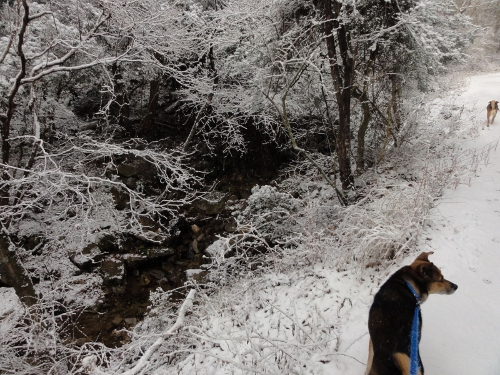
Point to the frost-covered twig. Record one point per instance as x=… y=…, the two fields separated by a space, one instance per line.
x=90 y=362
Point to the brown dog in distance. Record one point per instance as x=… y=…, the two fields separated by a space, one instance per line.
x=491 y=111
x=391 y=315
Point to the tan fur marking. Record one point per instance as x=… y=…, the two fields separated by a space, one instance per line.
x=443 y=287
x=403 y=362
x=425 y=256
x=370 y=358
x=422 y=258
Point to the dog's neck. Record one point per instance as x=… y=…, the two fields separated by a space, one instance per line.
x=422 y=297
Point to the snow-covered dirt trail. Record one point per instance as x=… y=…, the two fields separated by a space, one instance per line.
x=461 y=333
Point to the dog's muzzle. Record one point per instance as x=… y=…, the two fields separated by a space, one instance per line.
x=453 y=288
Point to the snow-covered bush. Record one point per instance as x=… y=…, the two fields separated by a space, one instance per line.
x=272 y=213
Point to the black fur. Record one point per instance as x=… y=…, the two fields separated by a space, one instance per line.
x=391 y=315
x=391 y=318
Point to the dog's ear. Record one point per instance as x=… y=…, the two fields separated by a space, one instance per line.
x=425 y=256
x=425 y=271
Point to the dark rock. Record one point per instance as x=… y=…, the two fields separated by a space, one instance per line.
x=164 y=284
x=230 y=227
x=144 y=279
x=131 y=182
x=113 y=271
x=106 y=242
x=159 y=252
x=88 y=104
x=121 y=198
x=245 y=193
x=190 y=254
x=118 y=289
x=127 y=170
x=212 y=203
x=134 y=260
x=84 y=259
x=157 y=274
x=146 y=170
x=173 y=273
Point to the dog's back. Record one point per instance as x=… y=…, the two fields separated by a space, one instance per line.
x=390 y=324
x=390 y=321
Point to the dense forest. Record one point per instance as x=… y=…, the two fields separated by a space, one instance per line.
x=154 y=148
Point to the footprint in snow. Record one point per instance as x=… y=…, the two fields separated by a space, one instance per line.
x=495 y=239
x=487 y=281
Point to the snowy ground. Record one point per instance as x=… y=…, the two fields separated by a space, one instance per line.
x=311 y=318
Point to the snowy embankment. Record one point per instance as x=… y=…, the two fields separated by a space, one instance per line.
x=307 y=311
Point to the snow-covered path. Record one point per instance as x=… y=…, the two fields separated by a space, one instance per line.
x=461 y=333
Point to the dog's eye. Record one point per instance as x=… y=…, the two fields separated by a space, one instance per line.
x=442 y=279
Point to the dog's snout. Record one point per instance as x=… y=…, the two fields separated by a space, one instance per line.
x=453 y=288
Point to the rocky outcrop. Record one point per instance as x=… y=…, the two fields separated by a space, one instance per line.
x=113 y=271
x=86 y=258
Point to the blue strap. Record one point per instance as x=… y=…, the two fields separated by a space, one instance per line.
x=414 y=366
x=414 y=344
x=415 y=294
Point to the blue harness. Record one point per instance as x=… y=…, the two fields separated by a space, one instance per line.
x=414 y=366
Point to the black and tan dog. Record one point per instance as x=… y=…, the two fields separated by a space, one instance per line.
x=391 y=315
x=491 y=111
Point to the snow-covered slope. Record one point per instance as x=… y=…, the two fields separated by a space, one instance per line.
x=309 y=315
x=314 y=320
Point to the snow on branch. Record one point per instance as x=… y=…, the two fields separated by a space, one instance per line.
x=90 y=362
x=69 y=185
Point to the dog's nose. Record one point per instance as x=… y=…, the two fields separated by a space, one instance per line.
x=454 y=286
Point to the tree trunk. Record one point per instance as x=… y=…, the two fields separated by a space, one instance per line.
x=121 y=110
x=148 y=121
x=342 y=82
x=360 y=157
x=16 y=276
x=5 y=131
x=395 y=101
x=124 y=119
